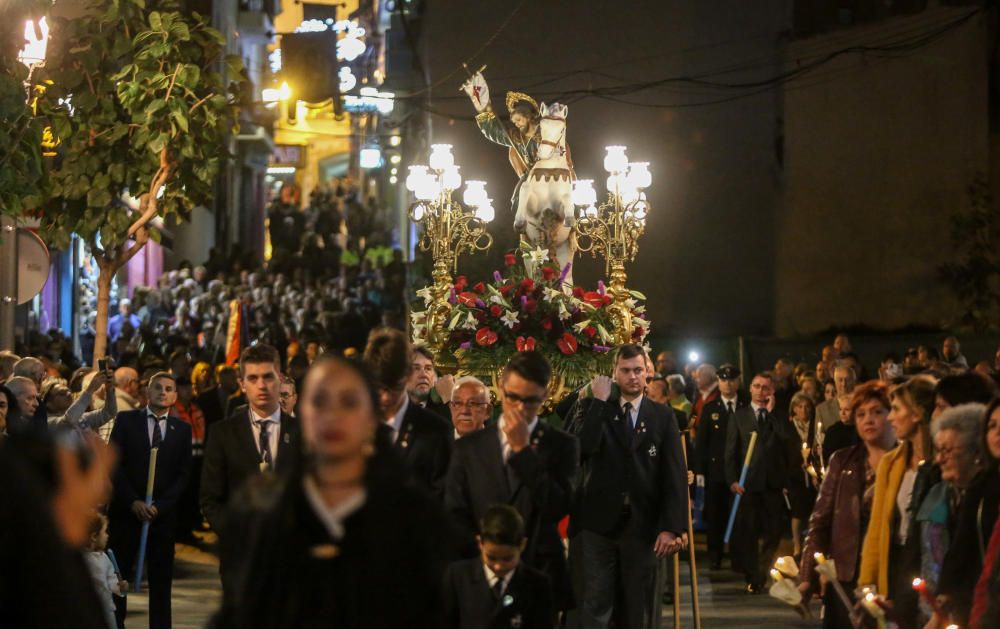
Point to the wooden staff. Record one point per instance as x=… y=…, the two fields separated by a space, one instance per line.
x=743 y=480
x=696 y=605
x=144 y=537
x=677 y=590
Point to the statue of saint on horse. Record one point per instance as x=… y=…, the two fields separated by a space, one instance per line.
x=538 y=153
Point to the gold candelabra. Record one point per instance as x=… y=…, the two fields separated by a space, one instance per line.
x=613 y=228
x=450 y=228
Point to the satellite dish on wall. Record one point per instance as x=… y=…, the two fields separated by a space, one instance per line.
x=32 y=265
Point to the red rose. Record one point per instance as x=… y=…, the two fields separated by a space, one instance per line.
x=590 y=331
x=506 y=288
x=531 y=306
x=461 y=283
x=496 y=310
x=567 y=344
x=547 y=324
x=510 y=259
x=578 y=292
x=595 y=299
x=549 y=273
x=479 y=287
x=485 y=336
x=527 y=285
x=468 y=299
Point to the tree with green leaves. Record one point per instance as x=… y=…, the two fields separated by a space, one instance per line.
x=133 y=95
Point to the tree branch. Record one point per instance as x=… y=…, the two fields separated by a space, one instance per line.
x=199 y=103
x=173 y=78
x=148 y=204
x=141 y=238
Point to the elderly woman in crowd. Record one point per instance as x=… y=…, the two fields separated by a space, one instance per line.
x=316 y=543
x=977 y=516
x=890 y=554
x=840 y=517
x=802 y=486
x=958 y=449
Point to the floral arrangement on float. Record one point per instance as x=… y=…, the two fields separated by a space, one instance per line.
x=520 y=310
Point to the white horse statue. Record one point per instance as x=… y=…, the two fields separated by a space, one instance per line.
x=545 y=213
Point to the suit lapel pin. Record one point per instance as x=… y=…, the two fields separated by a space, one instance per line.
x=508 y=600
x=652 y=450
x=642 y=427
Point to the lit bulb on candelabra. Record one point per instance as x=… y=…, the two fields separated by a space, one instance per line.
x=418 y=212
x=485 y=211
x=450 y=178
x=615 y=161
x=428 y=188
x=584 y=193
x=639 y=176
x=441 y=157
x=414 y=177
x=475 y=193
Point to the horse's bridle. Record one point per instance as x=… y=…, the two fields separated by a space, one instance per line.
x=562 y=134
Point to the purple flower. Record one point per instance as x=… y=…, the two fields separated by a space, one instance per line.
x=600 y=287
x=524 y=301
x=452 y=298
x=480 y=304
x=602 y=348
x=497 y=277
x=465 y=345
x=565 y=272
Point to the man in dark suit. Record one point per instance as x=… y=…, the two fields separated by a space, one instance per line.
x=762 y=509
x=470 y=406
x=632 y=506
x=424 y=383
x=422 y=438
x=135 y=434
x=711 y=457
x=521 y=462
x=497 y=589
x=257 y=439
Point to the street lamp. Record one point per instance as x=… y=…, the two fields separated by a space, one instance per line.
x=450 y=228
x=613 y=228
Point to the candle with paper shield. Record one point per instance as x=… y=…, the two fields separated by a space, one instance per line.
x=786 y=591
x=873 y=604
x=828 y=568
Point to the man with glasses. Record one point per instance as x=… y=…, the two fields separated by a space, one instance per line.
x=422 y=438
x=522 y=462
x=632 y=505
x=288 y=397
x=470 y=406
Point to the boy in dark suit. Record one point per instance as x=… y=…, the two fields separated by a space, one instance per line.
x=495 y=589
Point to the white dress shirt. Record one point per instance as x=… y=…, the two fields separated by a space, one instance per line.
x=503 y=436
x=633 y=416
x=150 y=415
x=492 y=578
x=726 y=401
x=273 y=434
x=332 y=517
x=397 y=420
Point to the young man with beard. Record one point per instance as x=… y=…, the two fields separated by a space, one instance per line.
x=632 y=506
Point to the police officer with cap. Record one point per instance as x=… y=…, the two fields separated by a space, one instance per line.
x=710 y=456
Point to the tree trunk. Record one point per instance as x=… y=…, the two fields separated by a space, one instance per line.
x=108 y=268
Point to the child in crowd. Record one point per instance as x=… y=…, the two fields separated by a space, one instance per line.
x=495 y=589
x=106 y=580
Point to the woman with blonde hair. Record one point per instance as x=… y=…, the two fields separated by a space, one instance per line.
x=890 y=556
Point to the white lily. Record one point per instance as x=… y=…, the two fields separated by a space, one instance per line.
x=538 y=255
x=470 y=323
x=497 y=299
x=642 y=323
x=551 y=293
x=454 y=320
x=563 y=313
x=579 y=327
x=605 y=337
x=630 y=303
x=509 y=318
x=425 y=294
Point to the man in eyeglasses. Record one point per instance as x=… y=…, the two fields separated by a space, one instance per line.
x=470 y=406
x=522 y=462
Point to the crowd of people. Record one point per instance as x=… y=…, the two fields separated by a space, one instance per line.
x=333 y=472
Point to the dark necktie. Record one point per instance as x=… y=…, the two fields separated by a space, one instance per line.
x=627 y=415
x=265 y=443
x=761 y=418
x=157 y=434
x=498 y=588
x=729 y=407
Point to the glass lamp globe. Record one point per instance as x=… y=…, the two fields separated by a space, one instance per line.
x=428 y=189
x=639 y=175
x=591 y=211
x=475 y=193
x=485 y=212
x=615 y=161
x=451 y=179
x=441 y=157
x=584 y=193
x=413 y=177
x=418 y=212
